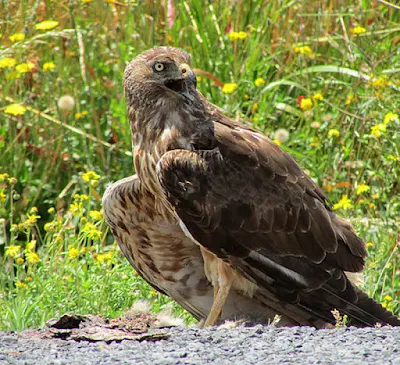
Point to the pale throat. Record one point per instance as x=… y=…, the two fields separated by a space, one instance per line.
x=153 y=135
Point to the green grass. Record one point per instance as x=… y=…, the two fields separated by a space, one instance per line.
x=342 y=140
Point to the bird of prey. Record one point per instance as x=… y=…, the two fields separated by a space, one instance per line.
x=220 y=218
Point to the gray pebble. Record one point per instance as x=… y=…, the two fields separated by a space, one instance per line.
x=259 y=344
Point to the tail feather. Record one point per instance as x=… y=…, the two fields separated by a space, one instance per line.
x=368 y=310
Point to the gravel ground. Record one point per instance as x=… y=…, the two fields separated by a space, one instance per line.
x=248 y=345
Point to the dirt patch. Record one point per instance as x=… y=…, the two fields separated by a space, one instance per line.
x=137 y=327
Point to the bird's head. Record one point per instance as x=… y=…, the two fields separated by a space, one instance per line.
x=160 y=72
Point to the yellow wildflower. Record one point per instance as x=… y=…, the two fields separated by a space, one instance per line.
x=91 y=231
x=259 y=82
x=3 y=197
x=318 y=97
x=388 y=298
x=362 y=188
x=81 y=197
x=378 y=130
x=104 y=257
x=242 y=35
x=344 y=203
x=73 y=252
x=32 y=257
x=25 y=67
x=306 y=104
x=46 y=25
x=17 y=37
x=30 y=246
x=81 y=115
x=7 y=62
x=54 y=225
x=15 y=109
x=95 y=215
x=48 y=66
x=375 y=196
x=32 y=219
x=76 y=208
x=380 y=82
x=229 y=88
x=357 y=30
x=33 y=210
x=349 y=99
x=390 y=117
x=276 y=141
x=19 y=260
x=12 y=250
x=87 y=1
x=110 y=1
x=393 y=158
x=333 y=133
x=234 y=36
x=305 y=50
x=254 y=108
x=369 y=244
x=51 y=210
x=90 y=175
x=371 y=205
x=4 y=177
x=20 y=284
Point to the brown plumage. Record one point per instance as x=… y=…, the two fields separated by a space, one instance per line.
x=217 y=202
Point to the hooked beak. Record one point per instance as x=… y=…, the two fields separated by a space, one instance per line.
x=184 y=84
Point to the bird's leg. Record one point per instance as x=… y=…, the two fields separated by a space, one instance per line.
x=221 y=291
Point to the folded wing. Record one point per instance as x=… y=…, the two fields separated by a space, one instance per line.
x=249 y=203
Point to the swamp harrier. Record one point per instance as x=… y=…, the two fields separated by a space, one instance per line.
x=221 y=219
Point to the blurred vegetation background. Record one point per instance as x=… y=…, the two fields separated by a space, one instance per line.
x=320 y=78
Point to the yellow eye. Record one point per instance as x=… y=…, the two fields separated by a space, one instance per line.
x=159 y=66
